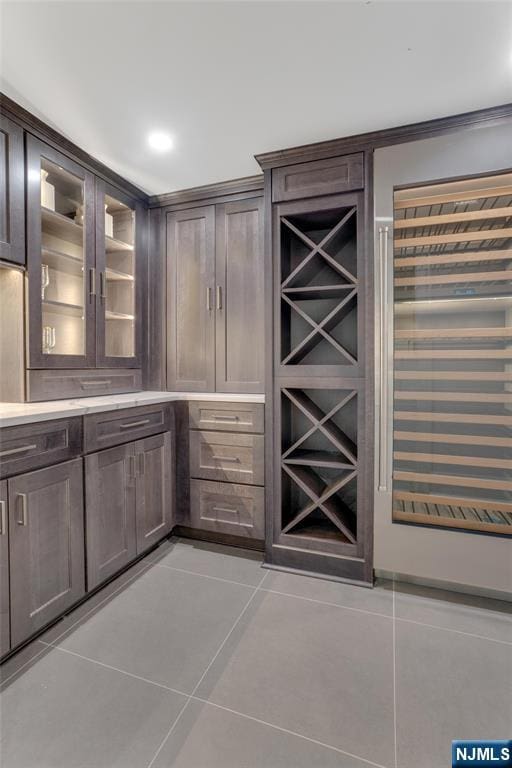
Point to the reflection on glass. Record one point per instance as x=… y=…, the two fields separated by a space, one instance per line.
x=62 y=271
x=119 y=284
x=452 y=456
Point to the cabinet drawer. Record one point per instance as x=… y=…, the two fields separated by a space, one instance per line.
x=103 y=430
x=227 y=457
x=229 y=417
x=320 y=177
x=30 y=446
x=227 y=508
x=56 y=385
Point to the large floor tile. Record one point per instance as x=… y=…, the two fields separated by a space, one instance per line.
x=209 y=737
x=240 y=565
x=451 y=610
x=322 y=672
x=449 y=686
x=377 y=600
x=21 y=660
x=166 y=627
x=69 y=713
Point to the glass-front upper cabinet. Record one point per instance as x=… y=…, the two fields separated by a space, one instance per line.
x=118 y=263
x=60 y=247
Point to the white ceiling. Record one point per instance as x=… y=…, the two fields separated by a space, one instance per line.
x=231 y=79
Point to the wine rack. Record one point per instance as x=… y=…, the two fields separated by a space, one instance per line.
x=452 y=455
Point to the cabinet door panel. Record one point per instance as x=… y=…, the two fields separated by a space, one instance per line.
x=60 y=259
x=5 y=627
x=110 y=512
x=12 y=195
x=155 y=489
x=239 y=296
x=46 y=545
x=191 y=314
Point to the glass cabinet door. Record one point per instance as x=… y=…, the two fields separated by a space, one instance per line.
x=452 y=455
x=117 y=260
x=60 y=238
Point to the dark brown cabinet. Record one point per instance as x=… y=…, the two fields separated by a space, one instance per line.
x=129 y=503
x=5 y=617
x=110 y=512
x=46 y=545
x=12 y=192
x=86 y=274
x=215 y=290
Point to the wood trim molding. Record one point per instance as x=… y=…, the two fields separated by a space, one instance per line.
x=41 y=130
x=373 y=139
x=209 y=192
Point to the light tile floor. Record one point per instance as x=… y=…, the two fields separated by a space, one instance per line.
x=199 y=658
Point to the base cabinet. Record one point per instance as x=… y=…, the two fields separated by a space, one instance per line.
x=46 y=545
x=129 y=503
x=110 y=512
x=5 y=618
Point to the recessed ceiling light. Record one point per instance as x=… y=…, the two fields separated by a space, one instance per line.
x=160 y=141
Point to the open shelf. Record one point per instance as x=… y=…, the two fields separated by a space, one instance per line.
x=61 y=226
x=112 y=245
x=452 y=453
x=109 y=315
x=62 y=308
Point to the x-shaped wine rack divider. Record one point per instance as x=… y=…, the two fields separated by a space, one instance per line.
x=329 y=321
x=320 y=495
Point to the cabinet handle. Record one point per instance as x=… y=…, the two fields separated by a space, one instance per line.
x=134 y=424
x=92 y=281
x=219 y=297
x=383 y=351
x=142 y=463
x=225 y=418
x=21 y=449
x=3 y=518
x=225 y=458
x=131 y=465
x=103 y=294
x=209 y=299
x=96 y=383
x=22 y=520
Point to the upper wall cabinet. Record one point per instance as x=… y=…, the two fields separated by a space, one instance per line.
x=12 y=192
x=83 y=272
x=215 y=298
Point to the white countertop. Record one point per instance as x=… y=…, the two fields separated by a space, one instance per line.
x=12 y=414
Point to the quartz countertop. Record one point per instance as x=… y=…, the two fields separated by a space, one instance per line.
x=12 y=414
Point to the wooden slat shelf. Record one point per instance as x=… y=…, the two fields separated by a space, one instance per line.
x=454 y=305
x=467 y=461
x=453 y=500
x=461 y=277
x=451 y=218
x=447 y=437
x=462 y=397
x=455 y=333
x=463 y=418
x=497 y=233
x=452 y=197
x=455 y=480
x=460 y=257
x=454 y=376
x=460 y=354
x=467 y=518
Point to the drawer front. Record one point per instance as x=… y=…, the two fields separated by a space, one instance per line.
x=229 y=417
x=56 y=385
x=227 y=508
x=320 y=177
x=31 y=446
x=103 y=430
x=227 y=457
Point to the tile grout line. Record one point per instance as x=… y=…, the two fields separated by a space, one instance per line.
x=326 y=602
x=394 y=679
x=455 y=631
x=189 y=699
x=205 y=576
x=286 y=730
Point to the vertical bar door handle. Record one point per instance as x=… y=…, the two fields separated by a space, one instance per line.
x=103 y=294
x=208 y=299
x=21 y=500
x=92 y=281
x=219 y=297
x=383 y=351
x=3 y=518
x=142 y=463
